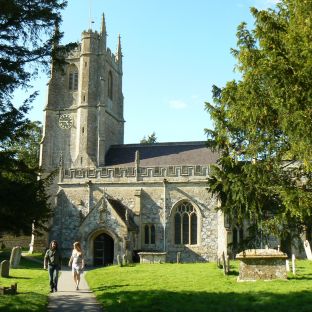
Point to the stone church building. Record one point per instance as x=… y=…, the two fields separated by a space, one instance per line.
x=121 y=199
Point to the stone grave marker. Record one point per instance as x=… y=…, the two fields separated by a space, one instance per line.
x=15 y=257
x=178 y=256
x=124 y=259
x=261 y=264
x=287 y=265
x=227 y=264
x=5 y=268
x=307 y=249
x=119 y=262
x=293 y=264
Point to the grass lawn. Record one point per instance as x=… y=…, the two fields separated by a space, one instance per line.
x=32 y=286
x=197 y=287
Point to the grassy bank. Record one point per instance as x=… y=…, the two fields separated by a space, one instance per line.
x=197 y=287
x=32 y=286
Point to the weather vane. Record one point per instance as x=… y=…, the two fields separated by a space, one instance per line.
x=90 y=15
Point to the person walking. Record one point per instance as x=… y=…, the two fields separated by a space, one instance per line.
x=52 y=262
x=76 y=261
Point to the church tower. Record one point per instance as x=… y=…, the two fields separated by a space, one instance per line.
x=84 y=110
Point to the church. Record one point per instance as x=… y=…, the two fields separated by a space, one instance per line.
x=121 y=200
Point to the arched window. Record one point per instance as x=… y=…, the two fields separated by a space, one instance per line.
x=185 y=224
x=149 y=234
x=110 y=85
x=73 y=78
x=146 y=234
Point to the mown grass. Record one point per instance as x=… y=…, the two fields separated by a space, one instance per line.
x=32 y=286
x=197 y=287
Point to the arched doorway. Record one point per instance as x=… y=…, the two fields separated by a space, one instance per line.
x=103 y=250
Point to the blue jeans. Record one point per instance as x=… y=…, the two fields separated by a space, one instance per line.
x=53 y=275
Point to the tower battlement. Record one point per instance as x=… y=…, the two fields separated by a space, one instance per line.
x=84 y=111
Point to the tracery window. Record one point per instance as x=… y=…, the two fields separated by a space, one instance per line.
x=185 y=224
x=110 y=85
x=73 y=78
x=149 y=234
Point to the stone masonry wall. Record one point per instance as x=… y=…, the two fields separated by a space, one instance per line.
x=81 y=214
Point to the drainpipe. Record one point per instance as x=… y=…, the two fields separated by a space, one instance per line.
x=164 y=217
x=89 y=184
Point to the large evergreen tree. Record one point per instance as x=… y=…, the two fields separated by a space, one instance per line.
x=29 y=39
x=263 y=122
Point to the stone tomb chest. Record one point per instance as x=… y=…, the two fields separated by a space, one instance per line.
x=152 y=257
x=261 y=264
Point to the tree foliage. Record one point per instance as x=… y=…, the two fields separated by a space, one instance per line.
x=263 y=122
x=151 y=139
x=29 y=38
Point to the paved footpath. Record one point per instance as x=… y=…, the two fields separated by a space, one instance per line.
x=68 y=299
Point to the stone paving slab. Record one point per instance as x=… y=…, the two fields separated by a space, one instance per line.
x=68 y=299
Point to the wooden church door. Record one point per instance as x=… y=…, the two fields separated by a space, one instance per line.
x=103 y=250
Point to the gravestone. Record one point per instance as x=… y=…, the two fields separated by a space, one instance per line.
x=124 y=259
x=227 y=264
x=293 y=264
x=119 y=262
x=178 y=256
x=5 y=268
x=307 y=249
x=15 y=258
x=287 y=265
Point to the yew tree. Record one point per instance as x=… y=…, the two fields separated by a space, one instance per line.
x=29 y=37
x=263 y=122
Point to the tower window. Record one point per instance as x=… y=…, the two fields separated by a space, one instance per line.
x=185 y=224
x=110 y=85
x=73 y=78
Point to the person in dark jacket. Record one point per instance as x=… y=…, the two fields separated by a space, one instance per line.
x=52 y=262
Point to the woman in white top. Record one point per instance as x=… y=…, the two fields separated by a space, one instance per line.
x=76 y=261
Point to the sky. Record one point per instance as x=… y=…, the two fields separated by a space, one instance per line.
x=174 y=51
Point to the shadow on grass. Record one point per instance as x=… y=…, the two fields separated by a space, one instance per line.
x=165 y=301
x=24 y=302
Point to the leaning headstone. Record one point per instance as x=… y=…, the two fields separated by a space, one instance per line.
x=178 y=256
x=15 y=258
x=307 y=249
x=293 y=258
x=287 y=265
x=5 y=268
x=119 y=262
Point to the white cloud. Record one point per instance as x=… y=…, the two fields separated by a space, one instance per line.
x=177 y=104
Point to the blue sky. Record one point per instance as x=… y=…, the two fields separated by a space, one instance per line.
x=174 y=51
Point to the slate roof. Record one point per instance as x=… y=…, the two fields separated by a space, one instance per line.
x=161 y=154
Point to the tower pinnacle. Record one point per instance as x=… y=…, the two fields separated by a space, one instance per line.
x=118 y=52
x=103 y=26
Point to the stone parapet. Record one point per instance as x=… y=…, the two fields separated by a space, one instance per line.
x=144 y=173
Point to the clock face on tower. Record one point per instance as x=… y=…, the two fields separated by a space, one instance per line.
x=65 y=121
